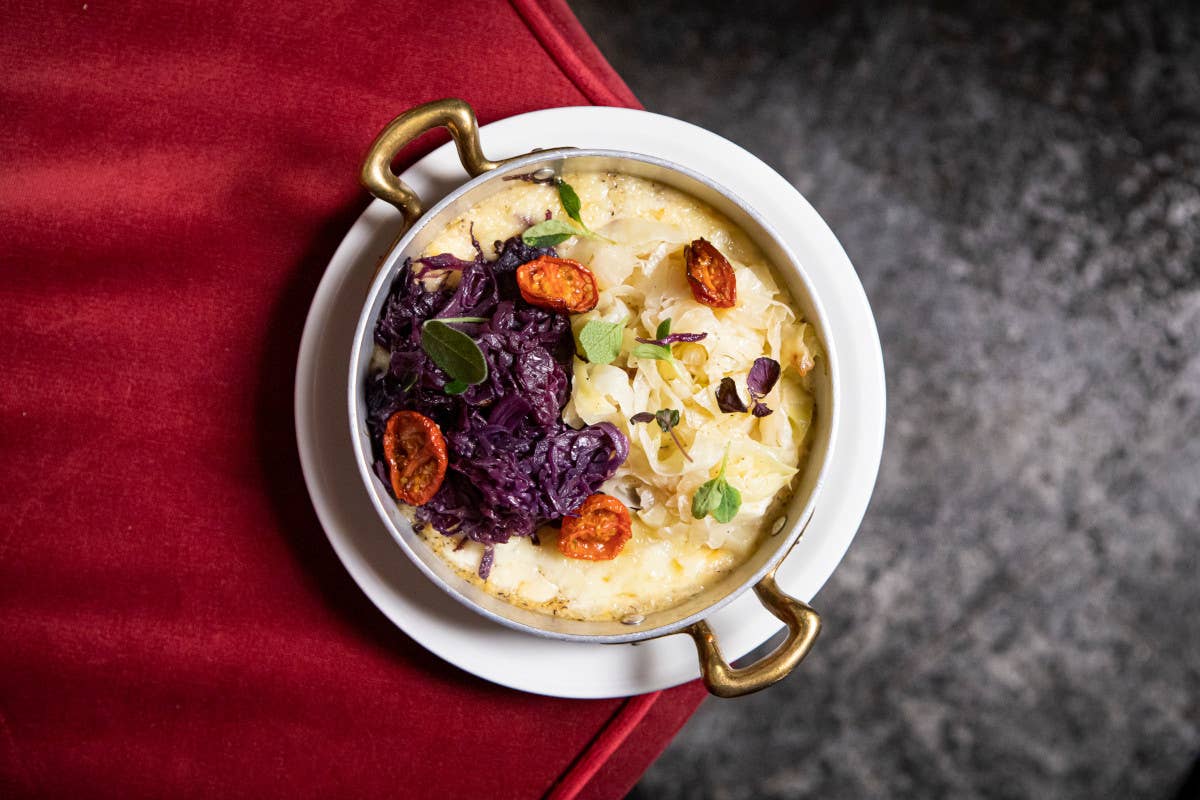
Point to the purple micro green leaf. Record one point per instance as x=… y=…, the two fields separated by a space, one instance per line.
x=727 y=397
x=667 y=419
x=763 y=376
x=673 y=338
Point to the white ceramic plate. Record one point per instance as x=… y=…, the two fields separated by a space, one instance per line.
x=466 y=639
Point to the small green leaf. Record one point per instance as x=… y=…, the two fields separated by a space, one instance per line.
x=456 y=387
x=717 y=497
x=655 y=351
x=549 y=233
x=707 y=498
x=454 y=352
x=731 y=501
x=570 y=202
x=601 y=341
x=661 y=352
x=550 y=240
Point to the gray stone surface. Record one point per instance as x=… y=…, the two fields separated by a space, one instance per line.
x=1019 y=189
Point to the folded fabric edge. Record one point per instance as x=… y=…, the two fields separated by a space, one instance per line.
x=563 y=37
x=606 y=742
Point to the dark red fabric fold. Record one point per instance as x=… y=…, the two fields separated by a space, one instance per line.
x=173 y=622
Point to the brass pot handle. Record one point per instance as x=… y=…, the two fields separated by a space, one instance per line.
x=803 y=626
x=453 y=114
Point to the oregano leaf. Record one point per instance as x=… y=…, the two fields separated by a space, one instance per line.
x=731 y=501
x=601 y=341
x=717 y=497
x=454 y=351
x=706 y=499
x=549 y=233
x=570 y=202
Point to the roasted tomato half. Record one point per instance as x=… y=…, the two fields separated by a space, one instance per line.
x=558 y=284
x=598 y=532
x=415 y=451
x=710 y=275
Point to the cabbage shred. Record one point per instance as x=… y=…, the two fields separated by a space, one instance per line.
x=642 y=278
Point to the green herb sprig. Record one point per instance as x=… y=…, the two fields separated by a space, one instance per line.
x=660 y=352
x=455 y=352
x=549 y=233
x=556 y=231
x=717 y=497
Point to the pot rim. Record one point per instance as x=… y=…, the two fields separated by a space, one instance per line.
x=362 y=336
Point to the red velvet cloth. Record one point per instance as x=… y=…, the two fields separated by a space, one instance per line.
x=173 y=623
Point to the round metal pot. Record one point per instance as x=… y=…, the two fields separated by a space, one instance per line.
x=758 y=571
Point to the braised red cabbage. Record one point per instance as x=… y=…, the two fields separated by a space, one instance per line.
x=514 y=464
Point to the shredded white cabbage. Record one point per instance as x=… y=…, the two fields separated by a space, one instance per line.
x=642 y=280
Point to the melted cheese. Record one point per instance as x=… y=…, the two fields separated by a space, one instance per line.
x=641 y=277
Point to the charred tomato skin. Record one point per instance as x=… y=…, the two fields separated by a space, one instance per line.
x=710 y=275
x=415 y=452
x=598 y=531
x=558 y=284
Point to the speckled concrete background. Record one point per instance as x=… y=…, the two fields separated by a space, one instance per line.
x=1019 y=188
